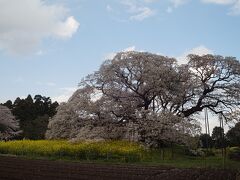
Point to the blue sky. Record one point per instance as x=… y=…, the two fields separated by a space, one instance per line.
x=46 y=47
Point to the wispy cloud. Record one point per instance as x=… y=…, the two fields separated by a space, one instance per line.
x=150 y=1
x=235 y=10
x=175 y=4
x=222 y=2
x=234 y=5
x=138 y=10
x=143 y=13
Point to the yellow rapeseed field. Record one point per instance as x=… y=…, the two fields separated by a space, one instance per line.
x=105 y=150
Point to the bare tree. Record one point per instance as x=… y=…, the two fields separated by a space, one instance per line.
x=215 y=85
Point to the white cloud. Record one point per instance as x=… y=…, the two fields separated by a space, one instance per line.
x=235 y=5
x=200 y=50
x=131 y=48
x=143 y=13
x=177 y=3
x=150 y=1
x=109 y=55
x=24 y=24
x=138 y=10
x=235 y=10
x=141 y=9
x=68 y=28
x=66 y=93
x=223 y=2
x=112 y=54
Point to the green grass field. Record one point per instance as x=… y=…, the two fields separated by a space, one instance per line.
x=181 y=160
x=112 y=152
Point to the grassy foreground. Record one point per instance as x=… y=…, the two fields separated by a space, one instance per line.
x=112 y=152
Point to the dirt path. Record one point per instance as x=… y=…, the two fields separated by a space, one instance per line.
x=12 y=168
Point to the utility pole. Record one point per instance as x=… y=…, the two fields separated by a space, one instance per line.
x=206 y=127
x=222 y=140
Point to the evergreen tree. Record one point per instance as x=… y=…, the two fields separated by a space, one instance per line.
x=233 y=135
x=33 y=115
x=218 y=137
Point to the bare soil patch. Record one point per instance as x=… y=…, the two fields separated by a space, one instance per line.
x=15 y=168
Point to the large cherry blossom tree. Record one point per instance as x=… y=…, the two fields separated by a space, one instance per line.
x=144 y=96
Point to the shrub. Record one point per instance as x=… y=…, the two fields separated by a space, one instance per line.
x=200 y=152
x=197 y=152
x=234 y=153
